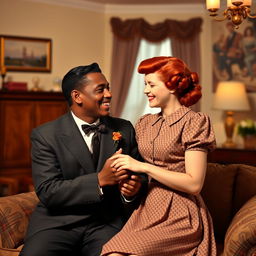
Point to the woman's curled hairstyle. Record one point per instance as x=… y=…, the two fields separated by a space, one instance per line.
x=176 y=76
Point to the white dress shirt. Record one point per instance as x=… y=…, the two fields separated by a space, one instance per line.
x=87 y=137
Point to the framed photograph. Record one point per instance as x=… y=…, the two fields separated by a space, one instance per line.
x=25 y=54
x=234 y=53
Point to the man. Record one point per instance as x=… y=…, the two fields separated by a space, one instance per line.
x=233 y=49
x=83 y=200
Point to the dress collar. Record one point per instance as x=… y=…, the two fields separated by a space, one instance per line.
x=172 y=118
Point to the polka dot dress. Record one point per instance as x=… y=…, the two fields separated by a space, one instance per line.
x=169 y=222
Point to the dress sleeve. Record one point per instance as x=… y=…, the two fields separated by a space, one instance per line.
x=198 y=134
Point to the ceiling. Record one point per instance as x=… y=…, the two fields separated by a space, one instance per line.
x=141 y=2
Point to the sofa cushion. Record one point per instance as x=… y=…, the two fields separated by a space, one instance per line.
x=217 y=193
x=241 y=235
x=14 y=216
x=245 y=186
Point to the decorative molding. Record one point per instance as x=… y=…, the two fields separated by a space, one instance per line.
x=158 y=8
x=126 y=8
x=78 y=4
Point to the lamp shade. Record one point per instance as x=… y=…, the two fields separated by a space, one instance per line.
x=212 y=4
x=248 y=2
x=230 y=96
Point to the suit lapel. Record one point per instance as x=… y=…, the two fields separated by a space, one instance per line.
x=75 y=143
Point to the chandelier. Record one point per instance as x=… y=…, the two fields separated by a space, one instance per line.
x=236 y=11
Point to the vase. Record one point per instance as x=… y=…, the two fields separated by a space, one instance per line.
x=249 y=141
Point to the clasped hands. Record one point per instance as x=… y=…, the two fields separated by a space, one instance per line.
x=112 y=173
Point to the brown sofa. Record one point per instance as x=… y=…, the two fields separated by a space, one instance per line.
x=229 y=192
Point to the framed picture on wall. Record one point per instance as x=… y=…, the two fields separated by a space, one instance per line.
x=25 y=54
x=234 y=53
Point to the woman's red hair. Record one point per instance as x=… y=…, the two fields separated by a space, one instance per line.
x=176 y=76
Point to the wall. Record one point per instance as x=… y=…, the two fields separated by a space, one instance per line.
x=216 y=116
x=82 y=36
x=77 y=35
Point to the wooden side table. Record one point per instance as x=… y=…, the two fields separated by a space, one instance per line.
x=8 y=186
x=233 y=156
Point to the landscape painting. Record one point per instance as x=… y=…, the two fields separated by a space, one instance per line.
x=25 y=54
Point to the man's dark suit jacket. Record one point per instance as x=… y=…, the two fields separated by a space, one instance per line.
x=65 y=178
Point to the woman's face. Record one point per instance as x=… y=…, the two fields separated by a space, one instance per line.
x=156 y=91
x=248 y=32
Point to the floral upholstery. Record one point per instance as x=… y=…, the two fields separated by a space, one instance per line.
x=241 y=235
x=14 y=216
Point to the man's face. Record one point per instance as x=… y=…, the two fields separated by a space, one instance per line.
x=95 y=96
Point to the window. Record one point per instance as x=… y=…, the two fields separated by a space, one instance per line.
x=136 y=103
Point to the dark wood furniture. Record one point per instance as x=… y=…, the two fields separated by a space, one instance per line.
x=233 y=156
x=20 y=112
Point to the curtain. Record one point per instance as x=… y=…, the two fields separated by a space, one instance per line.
x=127 y=36
x=136 y=103
x=123 y=61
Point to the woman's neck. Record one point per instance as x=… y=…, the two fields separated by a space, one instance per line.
x=173 y=106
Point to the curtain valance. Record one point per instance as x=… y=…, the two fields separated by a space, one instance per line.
x=180 y=30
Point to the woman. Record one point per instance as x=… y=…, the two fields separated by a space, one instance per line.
x=249 y=48
x=173 y=219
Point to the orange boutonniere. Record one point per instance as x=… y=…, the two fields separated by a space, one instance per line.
x=117 y=136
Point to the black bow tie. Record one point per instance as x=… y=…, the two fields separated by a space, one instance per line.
x=94 y=128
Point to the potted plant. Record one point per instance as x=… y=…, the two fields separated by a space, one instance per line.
x=247 y=129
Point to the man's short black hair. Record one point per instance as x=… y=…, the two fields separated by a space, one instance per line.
x=72 y=80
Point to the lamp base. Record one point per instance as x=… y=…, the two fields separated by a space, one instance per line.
x=229 y=129
x=229 y=144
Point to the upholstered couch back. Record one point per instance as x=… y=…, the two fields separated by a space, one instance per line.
x=226 y=189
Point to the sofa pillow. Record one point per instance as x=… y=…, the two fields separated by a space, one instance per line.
x=245 y=186
x=217 y=193
x=14 y=216
x=241 y=235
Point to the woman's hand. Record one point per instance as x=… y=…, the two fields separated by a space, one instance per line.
x=122 y=162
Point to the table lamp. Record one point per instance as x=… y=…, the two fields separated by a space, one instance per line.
x=230 y=96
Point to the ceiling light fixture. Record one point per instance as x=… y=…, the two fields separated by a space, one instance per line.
x=236 y=11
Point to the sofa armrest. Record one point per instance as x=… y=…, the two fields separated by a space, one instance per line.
x=240 y=238
x=9 y=252
x=14 y=217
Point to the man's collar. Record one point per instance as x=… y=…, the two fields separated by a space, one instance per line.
x=79 y=121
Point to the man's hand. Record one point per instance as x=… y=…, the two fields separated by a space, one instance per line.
x=109 y=176
x=130 y=187
x=126 y=162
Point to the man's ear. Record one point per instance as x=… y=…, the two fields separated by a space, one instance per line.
x=75 y=94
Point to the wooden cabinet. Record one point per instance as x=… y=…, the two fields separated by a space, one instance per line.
x=233 y=156
x=20 y=112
